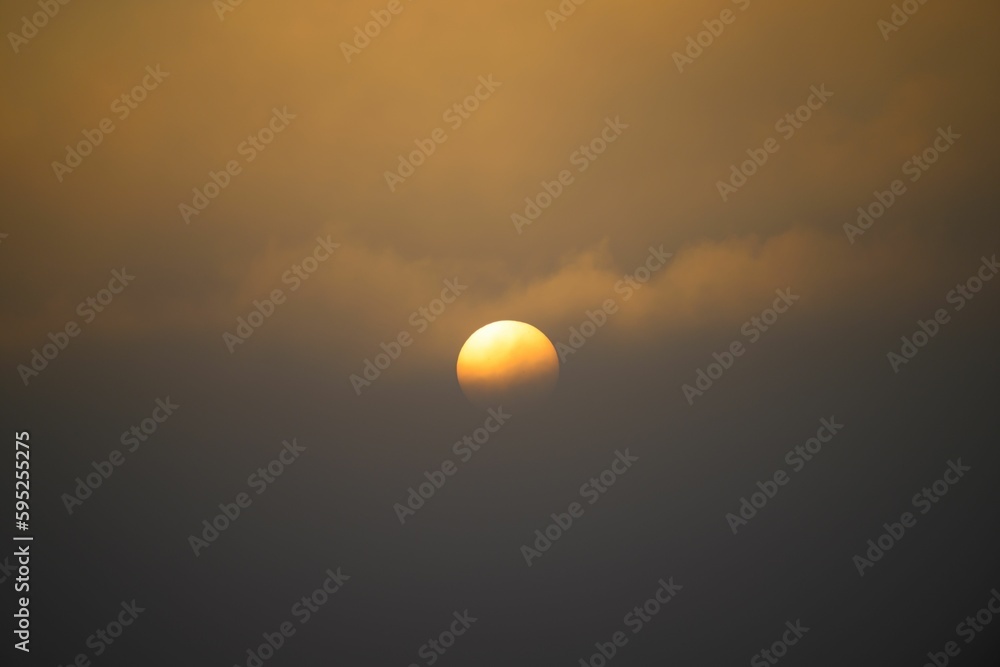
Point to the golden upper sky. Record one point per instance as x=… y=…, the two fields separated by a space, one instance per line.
x=551 y=92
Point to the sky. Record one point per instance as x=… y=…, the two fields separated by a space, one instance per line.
x=733 y=219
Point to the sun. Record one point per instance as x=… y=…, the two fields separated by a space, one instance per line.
x=507 y=363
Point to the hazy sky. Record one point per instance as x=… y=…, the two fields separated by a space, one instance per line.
x=632 y=126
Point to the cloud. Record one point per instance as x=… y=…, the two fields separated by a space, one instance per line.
x=654 y=186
